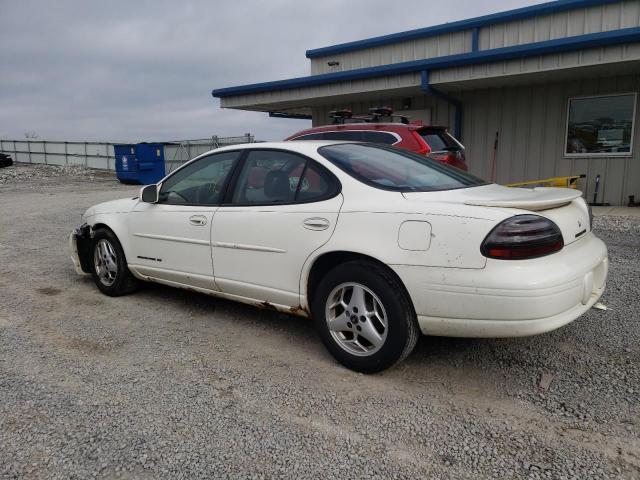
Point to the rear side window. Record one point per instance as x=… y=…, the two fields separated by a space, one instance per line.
x=379 y=137
x=347 y=135
x=315 y=184
x=439 y=140
x=270 y=177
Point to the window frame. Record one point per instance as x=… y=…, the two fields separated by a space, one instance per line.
x=302 y=137
x=602 y=154
x=334 y=191
x=225 y=185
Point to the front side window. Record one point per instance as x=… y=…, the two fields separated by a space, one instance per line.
x=200 y=182
x=389 y=168
x=277 y=177
x=600 y=126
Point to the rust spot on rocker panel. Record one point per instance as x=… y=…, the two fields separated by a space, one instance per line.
x=265 y=306
x=299 y=310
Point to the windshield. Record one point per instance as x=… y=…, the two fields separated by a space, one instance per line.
x=390 y=168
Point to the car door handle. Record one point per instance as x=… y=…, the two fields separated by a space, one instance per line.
x=198 y=220
x=316 y=223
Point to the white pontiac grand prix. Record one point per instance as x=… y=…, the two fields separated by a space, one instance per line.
x=374 y=243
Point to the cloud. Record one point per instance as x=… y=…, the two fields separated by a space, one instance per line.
x=144 y=70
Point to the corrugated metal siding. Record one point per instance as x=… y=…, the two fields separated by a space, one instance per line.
x=531 y=121
x=581 y=21
x=542 y=63
x=428 y=109
x=595 y=19
x=447 y=44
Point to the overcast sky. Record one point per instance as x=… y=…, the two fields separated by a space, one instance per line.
x=123 y=70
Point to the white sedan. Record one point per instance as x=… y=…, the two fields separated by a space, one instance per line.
x=374 y=243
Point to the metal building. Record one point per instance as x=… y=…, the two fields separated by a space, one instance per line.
x=559 y=81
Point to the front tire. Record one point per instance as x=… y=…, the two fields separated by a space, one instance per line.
x=109 y=265
x=364 y=316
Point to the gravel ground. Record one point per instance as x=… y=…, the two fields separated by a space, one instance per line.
x=172 y=384
x=37 y=175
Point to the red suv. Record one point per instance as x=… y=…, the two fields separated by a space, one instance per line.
x=433 y=141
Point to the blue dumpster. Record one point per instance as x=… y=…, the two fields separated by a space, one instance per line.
x=126 y=163
x=142 y=163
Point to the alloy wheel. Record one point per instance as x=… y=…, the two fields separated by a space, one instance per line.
x=356 y=319
x=105 y=262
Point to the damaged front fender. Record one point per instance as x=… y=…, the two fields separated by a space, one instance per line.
x=80 y=245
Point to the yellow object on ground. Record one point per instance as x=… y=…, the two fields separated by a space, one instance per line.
x=567 y=182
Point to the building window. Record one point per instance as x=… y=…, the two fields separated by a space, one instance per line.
x=600 y=126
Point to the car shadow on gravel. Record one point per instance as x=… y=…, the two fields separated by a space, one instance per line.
x=227 y=311
x=495 y=367
x=430 y=352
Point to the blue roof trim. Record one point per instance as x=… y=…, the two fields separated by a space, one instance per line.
x=601 y=39
x=508 y=16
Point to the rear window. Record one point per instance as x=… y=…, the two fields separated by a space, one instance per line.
x=390 y=168
x=439 y=140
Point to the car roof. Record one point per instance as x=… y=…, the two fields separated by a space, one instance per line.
x=305 y=147
x=372 y=126
x=367 y=125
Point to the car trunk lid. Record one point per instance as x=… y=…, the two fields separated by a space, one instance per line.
x=564 y=206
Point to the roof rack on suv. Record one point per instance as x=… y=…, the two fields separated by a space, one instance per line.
x=376 y=114
x=339 y=116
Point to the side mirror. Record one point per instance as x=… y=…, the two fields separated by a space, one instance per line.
x=149 y=193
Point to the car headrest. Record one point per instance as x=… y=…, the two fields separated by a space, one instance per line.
x=276 y=185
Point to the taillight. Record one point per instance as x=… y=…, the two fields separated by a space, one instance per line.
x=424 y=148
x=450 y=157
x=443 y=157
x=521 y=237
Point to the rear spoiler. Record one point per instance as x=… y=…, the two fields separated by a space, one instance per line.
x=540 y=198
x=415 y=126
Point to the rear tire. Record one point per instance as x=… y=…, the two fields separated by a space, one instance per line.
x=109 y=265
x=364 y=316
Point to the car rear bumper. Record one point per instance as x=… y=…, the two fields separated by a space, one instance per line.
x=509 y=298
x=79 y=245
